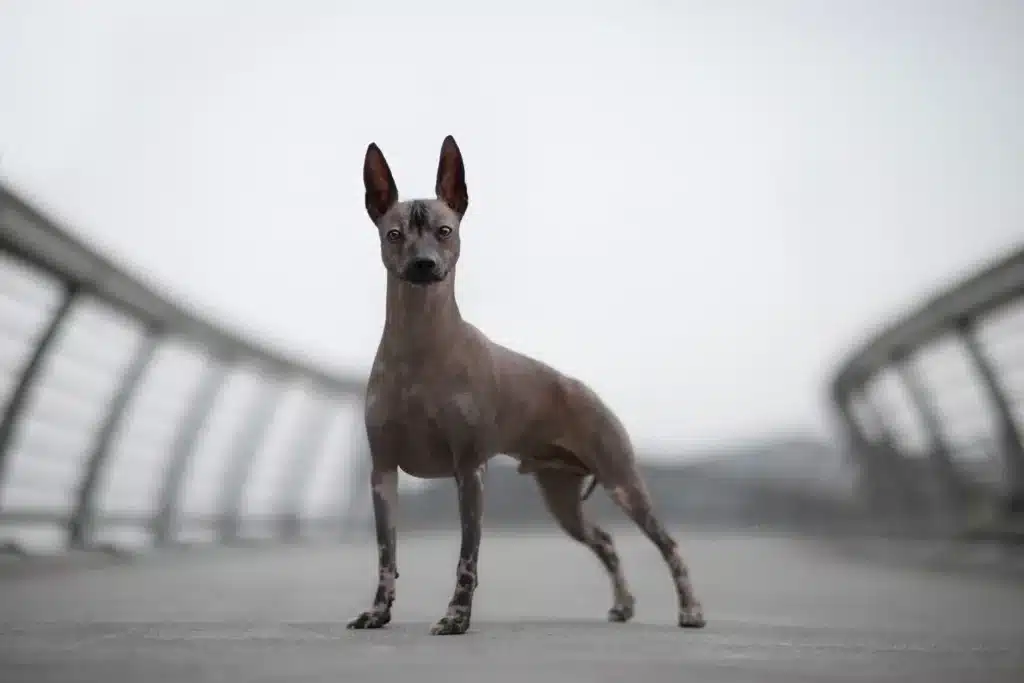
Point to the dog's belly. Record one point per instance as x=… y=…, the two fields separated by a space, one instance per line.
x=424 y=464
x=426 y=450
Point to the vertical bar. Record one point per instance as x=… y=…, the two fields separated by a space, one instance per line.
x=16 y=404
x=906 y=496
x=308 y=444
x=859 y=450
x=185 y=440
x=243 y=455
x=1009 y=436
x=358 y=508
x=82 y=517
x=949 y=478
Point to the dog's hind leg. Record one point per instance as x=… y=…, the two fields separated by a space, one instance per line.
x=561 y=492
x=629 y=493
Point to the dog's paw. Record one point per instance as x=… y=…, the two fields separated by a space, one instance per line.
x=451 y=625
x=371 y=619
x=692 y=617
x=622 y=612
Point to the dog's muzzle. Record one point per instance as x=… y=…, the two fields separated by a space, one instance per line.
x=423 y=271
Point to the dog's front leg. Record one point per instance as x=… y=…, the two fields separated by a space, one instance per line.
x=470 y=482
x=384 y=484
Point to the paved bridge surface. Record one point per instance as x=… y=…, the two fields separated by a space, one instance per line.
x=780 y=609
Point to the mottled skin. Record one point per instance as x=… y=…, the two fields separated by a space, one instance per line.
x=443 y=399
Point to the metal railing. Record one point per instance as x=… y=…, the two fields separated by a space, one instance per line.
x=932 y=406
x=124 y=412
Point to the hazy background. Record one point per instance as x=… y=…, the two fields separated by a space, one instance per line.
x=697 y=207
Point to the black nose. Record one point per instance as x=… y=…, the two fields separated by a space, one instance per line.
x=422 y=271
x=423 y=266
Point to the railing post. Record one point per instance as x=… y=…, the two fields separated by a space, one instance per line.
x=82 y=517
x=359 y=508
x=16 y=404
x=949 y=478
x=247 y=446
x=1009 y=435
x=307 y=446
x=185 y=440
x=906 y=495
x=860 y=450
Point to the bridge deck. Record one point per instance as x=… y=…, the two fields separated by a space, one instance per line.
x=783 y=610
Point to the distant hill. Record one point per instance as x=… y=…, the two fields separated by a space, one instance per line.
x=782 y=482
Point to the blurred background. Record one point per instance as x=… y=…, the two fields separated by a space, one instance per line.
x=783 y=240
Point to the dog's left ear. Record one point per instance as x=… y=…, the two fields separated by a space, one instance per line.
x=451 y=178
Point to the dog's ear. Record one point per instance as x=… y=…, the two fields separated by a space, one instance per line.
x=451 y=178
x=381 y=191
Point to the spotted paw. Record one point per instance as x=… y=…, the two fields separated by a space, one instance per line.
x=692 y=617
x=450 y=625
x=621 y=613
x=371 y=619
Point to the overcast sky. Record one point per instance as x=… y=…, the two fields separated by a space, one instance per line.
x=696 y=206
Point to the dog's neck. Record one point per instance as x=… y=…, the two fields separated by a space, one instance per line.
x=420 y=317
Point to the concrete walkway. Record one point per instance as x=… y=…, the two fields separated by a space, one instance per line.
x=780 y=610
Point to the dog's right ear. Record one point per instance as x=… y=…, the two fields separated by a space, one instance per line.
x=381 y=191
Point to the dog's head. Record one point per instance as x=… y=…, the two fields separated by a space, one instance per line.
x=419 y=238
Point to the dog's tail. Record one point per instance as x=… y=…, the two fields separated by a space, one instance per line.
x=590 y=489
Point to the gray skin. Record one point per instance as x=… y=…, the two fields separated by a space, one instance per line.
x=442 y=400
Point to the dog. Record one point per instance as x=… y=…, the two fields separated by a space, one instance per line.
x=442 y=400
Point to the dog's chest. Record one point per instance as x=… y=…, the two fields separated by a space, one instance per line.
x=423 y=419
x=419 y=406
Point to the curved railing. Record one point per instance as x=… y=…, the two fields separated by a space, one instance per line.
x=126 y=416
x=933 y=404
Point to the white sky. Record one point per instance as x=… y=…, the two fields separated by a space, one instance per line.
x=697 y=206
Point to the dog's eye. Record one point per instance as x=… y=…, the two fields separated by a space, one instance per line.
x=444 y=231
x=393 y=235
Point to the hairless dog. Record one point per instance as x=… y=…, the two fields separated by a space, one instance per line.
x=443 y=399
